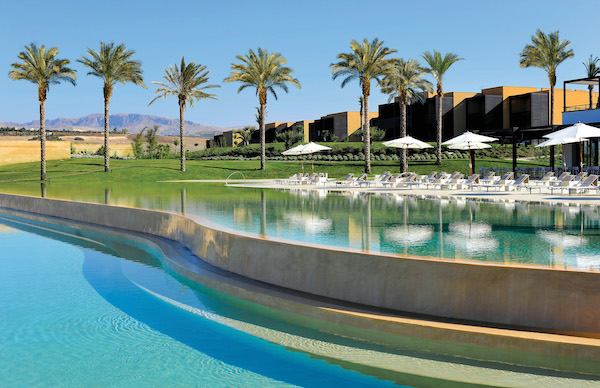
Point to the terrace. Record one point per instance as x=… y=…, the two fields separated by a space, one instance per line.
x=585 y=113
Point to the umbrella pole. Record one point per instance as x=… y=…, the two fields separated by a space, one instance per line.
x=470 y=162
x=562 y=147
x=580 y=156
x=312 y=161
x=302 y=161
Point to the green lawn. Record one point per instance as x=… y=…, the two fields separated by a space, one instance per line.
x=146 y=170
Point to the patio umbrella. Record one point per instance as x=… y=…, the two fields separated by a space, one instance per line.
x=578 y=131
x=469 y=138
x=562 y=141
x=311 y=148
x=295 y=151
x=469 y=146
x=407 y=142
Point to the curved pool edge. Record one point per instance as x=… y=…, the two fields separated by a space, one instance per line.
x=562 y=352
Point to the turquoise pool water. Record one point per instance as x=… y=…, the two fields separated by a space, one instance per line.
x=77 y=309
x=552 y=235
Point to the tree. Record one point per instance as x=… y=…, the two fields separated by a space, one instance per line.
x=366 y=62
x=152 y=140
x=112 y=64
x=137 y=145
x=592 y=70
x=187 y=83
x=265 y=72
x=41 y=67
x=247 y=134
x=546 y=52
x=438 y=66
x=405 y=81
x=290 y=137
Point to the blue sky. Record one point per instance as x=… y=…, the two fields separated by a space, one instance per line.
x=489 y=35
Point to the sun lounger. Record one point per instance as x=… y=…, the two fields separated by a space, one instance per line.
x=406 y=181
x=588 y=183
x=488 y=178
x=427 y=178
x=346 y=181
x=566 y=182
x=502 y=183
x=393 y=180
x=464 y=183
x=379 y=179
x=362 y=179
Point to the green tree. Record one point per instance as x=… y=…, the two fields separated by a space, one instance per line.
x=247 y=134
x=438 y=66
x=546 y=52
x=592 y=70
x=366 y=62
x=187 y=83
x=405 y=81
x=152 y=141
x=43 y=68
x=290 y=137
x=265 y=72
x=137 y=145
x=112 y=65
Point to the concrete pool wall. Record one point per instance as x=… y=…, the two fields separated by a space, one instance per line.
x=545 y=298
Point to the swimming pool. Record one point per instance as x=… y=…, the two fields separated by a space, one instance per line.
x=82 y=309
x=553 y=235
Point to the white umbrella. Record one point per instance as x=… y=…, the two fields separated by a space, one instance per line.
x=577 y=131
x=306 y=149
x=407 y=142
x=469 y=137
x=469 y=146
x=294 y=152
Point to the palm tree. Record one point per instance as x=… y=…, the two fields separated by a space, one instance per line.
x=438 y=66
x=112 y=64
x=187 y=83
x=546 y=52
x=592 y=70
x=41 y=67
x=405 y=81
x=265 y=72
x=366 y=62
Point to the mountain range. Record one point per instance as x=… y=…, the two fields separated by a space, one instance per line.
x=133 y=122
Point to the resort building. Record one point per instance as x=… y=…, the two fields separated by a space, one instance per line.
x=341 y=125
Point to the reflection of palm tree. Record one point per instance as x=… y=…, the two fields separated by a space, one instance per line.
x=41 y=67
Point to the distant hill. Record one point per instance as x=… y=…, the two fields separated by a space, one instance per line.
x=132 y=121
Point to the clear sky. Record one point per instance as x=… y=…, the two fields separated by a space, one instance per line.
x=489 y=35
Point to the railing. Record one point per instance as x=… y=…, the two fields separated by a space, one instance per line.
x=233 y=173
x=575 y=108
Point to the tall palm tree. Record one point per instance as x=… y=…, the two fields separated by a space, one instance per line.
x=366 y=62
x=405 y=81
x=546 y=52
x=265 y=72
x=41 y=67
x=187 y=83
x=438 y=66
x=112 y=64
x=592 y=70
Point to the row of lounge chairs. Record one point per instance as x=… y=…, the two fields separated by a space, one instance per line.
x=573 y=184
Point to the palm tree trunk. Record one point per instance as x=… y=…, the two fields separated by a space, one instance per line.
x=367 y=133
x=181 y=132
x=590 y=89
x=43 y=139
x=552 y=105
x=438 y=151
x=262 y=137
x=402 y=134
x=106 y=158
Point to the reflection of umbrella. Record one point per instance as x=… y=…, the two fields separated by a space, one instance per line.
x=472 y=236
x=405 y=143
x=310 y=223
x=469 y=146
x=410 y=234
x=470 y=140
x=562 y=239
x=306 y=149
x=577 y=131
